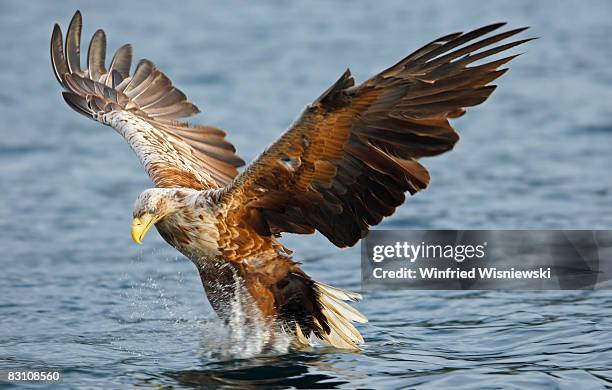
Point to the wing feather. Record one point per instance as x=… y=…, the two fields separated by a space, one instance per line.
x=58 y=61
x=121 y=62
x=73 y=44
x=142 y=72
x=96 y=55
x=347 y=162
x=174 y=153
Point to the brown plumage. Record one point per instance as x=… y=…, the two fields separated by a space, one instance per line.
x=201 y=157
x=342 y=167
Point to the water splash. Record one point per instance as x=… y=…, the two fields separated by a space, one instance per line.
x=157 y=307
x=249 y=334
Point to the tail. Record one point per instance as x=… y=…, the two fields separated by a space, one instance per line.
x=338 y=316
x=310 y=309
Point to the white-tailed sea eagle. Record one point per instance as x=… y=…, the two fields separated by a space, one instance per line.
x=342 y=167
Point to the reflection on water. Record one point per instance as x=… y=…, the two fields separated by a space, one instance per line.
x=297 y=370
x=76 y=294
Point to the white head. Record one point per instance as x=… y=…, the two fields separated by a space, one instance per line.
x=153 y=205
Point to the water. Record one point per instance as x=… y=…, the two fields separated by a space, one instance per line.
x=78 y=295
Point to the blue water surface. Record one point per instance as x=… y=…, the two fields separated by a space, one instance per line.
x=76 y=294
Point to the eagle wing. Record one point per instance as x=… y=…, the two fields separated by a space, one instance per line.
x=143 y=107
x=348 y=160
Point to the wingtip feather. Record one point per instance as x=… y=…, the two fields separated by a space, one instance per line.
x=96 y=55
x=73 y=43
x=58 y=62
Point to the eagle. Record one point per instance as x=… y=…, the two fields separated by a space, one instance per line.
x=341 y=167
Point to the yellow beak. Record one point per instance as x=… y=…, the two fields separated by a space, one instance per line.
x=141 y=225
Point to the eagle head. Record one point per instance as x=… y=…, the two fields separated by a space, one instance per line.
x=152 y=206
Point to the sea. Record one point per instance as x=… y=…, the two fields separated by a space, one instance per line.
x=77 y=295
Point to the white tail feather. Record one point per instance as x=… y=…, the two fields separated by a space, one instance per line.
x=339 y=316
x=343 y=309
x=339 y=293
x=301 y=338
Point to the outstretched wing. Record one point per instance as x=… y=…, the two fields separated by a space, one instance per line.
x=143 y=107
x=348 y=160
